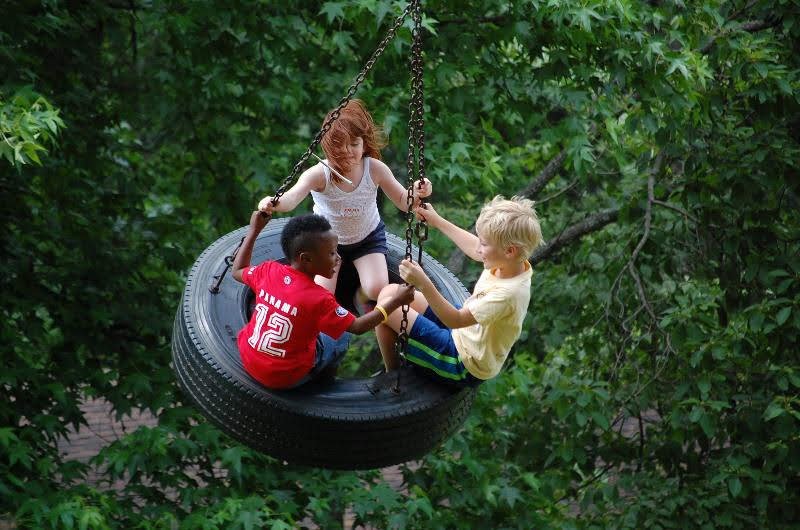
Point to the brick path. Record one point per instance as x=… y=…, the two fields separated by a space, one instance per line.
x=103 y=429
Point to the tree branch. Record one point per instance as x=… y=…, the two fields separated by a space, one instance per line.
x=751 y=26
x=587 y=482
x=631 y=268
x=677 y=209
x=545 y=175
x=558 y=193
x=648 y=217
x=575 y=232
x=757 y=25
x=745 y=8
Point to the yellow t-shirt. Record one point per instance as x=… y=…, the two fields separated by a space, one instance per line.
x=499 y=306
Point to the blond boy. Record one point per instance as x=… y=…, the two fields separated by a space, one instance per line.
x=466 y=345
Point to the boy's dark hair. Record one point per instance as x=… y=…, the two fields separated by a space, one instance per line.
x=300 y=233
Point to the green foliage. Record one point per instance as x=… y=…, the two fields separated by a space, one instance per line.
x=27 y=122
x=656 y=380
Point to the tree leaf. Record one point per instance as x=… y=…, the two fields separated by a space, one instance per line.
x=735 y=486
x=707 y=424
x=332 y=10
x=773 y=411
x=783 y=315
x=600 y=420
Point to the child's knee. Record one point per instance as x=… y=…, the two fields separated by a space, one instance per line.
x=386 y=292
x=373 y=291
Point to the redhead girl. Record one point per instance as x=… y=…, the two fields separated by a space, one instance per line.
x=352 y=147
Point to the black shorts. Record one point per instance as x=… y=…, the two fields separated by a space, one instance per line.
x=374 y=243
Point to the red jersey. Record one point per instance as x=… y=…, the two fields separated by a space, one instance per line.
x=278 y=345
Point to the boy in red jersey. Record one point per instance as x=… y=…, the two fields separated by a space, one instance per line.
x=298 y=329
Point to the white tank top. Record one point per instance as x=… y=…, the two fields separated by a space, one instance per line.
x=352 y=214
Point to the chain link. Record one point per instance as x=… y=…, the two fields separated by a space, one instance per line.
x=415 y=163
x=421 y=227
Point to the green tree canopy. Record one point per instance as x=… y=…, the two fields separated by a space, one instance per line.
x=656 y=381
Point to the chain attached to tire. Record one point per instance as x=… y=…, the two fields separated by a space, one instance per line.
x=415 y=163
x=333 y=116
x=228 y=264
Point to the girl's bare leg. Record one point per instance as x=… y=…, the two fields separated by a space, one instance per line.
x=372 y=274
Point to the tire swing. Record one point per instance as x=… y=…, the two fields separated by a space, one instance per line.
x=342 y=424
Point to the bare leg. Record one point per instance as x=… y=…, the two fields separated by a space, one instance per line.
x=372 y=274
x=388 y=331
x=386 y=342
x=329 y=283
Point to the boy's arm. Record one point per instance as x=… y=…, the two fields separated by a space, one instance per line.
x=312 y=179
x=450 y=316
x=364 y=323
x=242 y=260
x=466 y=241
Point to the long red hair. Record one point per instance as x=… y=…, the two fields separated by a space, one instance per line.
x=354 y=121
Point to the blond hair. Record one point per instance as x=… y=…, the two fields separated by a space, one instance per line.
x=511 y=222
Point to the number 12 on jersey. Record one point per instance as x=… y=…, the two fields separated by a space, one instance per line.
x=278 y=330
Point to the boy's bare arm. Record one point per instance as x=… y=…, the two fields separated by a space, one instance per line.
x=467 y=242
x=449 y=315
x=364 y=323
x=242 y=260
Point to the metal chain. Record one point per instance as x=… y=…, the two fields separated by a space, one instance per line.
x=228 y=263
x=421 y=227
x=332 y=117
x=415 y=166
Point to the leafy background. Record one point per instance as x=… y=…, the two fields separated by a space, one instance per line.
x=656 y=382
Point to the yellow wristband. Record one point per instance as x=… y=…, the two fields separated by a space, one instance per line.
x=383 y=312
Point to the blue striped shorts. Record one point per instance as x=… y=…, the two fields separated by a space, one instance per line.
x=431 y=348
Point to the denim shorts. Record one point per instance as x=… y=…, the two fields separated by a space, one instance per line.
x=329 y=352
x=374 y=243
x=431 y=349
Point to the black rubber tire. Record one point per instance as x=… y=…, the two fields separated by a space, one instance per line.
x=341 y=424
